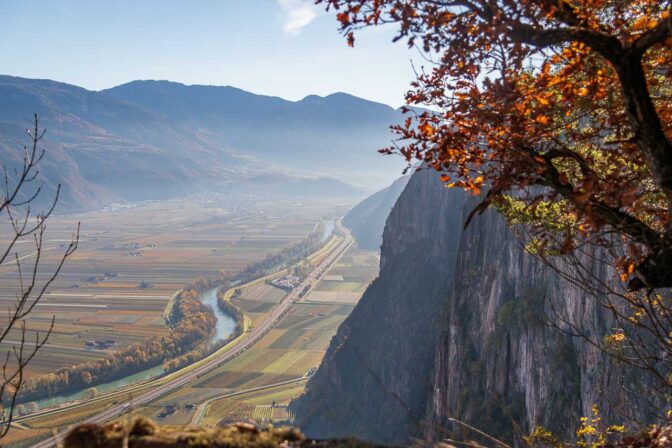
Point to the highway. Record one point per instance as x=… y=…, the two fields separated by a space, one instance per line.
x=251 y=338
x=203 y=407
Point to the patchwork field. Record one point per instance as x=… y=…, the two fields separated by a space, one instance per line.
x=287 y=352
x=259 y=383
x=346 y=282
x=159 y=245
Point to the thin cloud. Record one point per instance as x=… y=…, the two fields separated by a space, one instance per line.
x=298 y=14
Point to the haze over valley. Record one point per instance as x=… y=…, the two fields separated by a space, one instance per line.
x=150 y=140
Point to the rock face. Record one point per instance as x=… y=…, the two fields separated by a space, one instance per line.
x=375 y=380
x=499 y=363
x=367 y=219
x=454 y=327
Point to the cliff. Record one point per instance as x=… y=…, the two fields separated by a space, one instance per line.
x=367 y=219
x=375 y=379
x=456 y=326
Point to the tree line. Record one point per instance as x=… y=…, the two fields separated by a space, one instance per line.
x=195 y=322
x=204 y=348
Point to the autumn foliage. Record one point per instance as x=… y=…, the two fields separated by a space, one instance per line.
x=561 y=108
x=194 y=323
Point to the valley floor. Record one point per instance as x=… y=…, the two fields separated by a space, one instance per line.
x=100 y=294
x=257 y=384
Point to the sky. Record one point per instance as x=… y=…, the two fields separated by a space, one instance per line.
x=286 y=48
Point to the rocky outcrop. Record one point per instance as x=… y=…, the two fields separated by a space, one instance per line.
x=367 y=219
x=500 y=364
x=144 y=433
x=375 y=380
x=457 y=326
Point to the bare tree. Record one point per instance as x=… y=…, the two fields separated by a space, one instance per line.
x=21 y=191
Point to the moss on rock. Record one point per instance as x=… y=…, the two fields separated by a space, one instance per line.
x=144 y=433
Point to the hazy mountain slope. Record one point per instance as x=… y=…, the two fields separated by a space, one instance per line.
x=367 y=219
x=452 y=329
x=336 y=136
x=104 y=148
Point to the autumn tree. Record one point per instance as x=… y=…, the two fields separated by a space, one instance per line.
x=21 y=264
x=560 y=111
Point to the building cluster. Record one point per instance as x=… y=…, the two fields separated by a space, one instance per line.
x=286 y=282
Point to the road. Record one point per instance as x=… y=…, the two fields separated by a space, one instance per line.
x=252 y=337
x=59 y=346
x=203 y=407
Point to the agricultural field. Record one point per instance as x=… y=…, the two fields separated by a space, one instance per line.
x=287 y=352
x=346 y=281
x=131 y=259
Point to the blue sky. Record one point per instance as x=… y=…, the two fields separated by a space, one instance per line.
x=287 y=48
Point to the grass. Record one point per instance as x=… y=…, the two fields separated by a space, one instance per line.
x=342 y=286
x=288 y=339
x=263 y=293
x=282 y=364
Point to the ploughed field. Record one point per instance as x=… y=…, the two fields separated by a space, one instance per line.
x=113 y=291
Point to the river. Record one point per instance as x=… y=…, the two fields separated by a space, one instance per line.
x=328 y=230
x=224 y=328
x=225 y=322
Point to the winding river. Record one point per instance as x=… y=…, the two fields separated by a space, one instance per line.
x=225 y=326
x=225 y=322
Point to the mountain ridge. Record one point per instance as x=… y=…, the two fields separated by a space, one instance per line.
x=147 y=143
x=367 y=219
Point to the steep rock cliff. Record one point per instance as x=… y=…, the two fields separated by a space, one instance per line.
x=375 y=379
x=367 y=219
x=500 y=364
x=456 y=326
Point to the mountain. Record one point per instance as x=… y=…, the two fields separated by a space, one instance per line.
x=334 y=136
x=103 y=149
x=453 y=328
x=154 y=140
x=367 y=219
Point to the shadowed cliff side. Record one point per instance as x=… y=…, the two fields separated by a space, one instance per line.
x=367 y=219
x=456 y=326
x=376 y=376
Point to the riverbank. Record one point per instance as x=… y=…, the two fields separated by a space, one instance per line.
x=188 y=360
x=191 y=324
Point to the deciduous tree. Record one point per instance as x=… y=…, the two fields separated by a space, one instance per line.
x=561 y=112
x=564 y=103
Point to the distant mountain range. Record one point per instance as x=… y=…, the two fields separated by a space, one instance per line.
x=159 y=139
